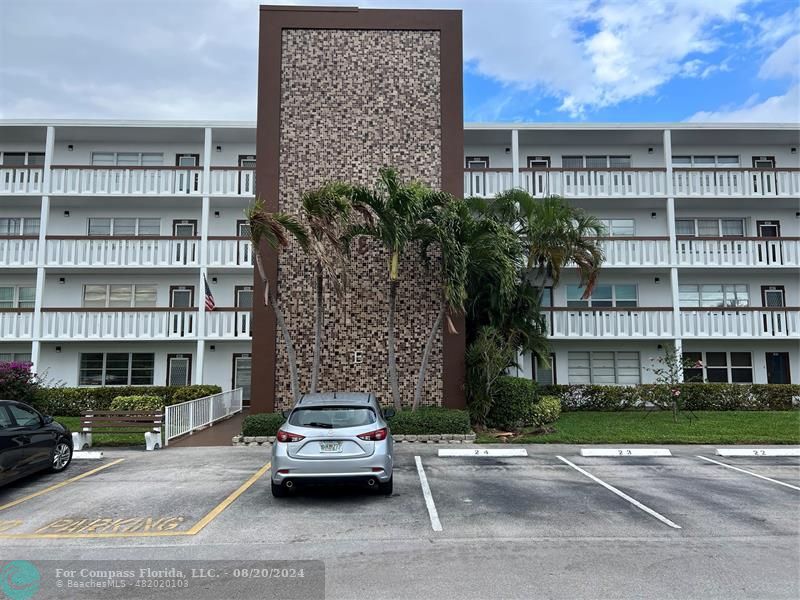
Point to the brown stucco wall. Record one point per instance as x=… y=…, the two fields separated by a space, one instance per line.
x=351 y=100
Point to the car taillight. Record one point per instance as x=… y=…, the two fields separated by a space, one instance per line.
x=285 y=436
x=374 y=436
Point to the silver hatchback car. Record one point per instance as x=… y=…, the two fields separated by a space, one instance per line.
x=334 y=437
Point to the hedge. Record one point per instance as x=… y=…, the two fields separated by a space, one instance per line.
x=694 y=396
x=71 y=402
x=262 y=424
x=421 y=422
x=515 y=404
x=137 y=403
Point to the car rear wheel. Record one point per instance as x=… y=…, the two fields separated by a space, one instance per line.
x=60 y=457
x=386 y=488
x=278 y=491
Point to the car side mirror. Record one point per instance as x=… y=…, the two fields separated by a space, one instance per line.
x=389 y=412
x=286 y=414
x=47 y=419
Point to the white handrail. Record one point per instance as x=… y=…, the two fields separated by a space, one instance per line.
x=187 y=417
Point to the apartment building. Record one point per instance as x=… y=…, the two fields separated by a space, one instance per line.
x=111 y=231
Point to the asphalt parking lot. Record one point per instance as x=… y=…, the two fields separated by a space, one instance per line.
x=552 y=524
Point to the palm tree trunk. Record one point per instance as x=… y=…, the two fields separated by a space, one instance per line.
x=437 y=324
x=393 y=382
x=317 y=330
x=271 y=296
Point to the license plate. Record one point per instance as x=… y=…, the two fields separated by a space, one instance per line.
x=330 y=446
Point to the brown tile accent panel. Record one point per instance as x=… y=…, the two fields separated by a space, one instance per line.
x=353 y=101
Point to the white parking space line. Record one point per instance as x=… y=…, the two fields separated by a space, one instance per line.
x=623 y=452
x=621 y=494
x=789 y=485
x=483 y=452
x=426 y=492
x=758 y=451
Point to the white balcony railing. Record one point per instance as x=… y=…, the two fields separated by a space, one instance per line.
x=736 y=182
x=226 y=323
x=738 y=252
x=232 y=181
x=229 y=252
x=16 y=324
x=635 y=251
x=21 y=180
x=609 y=322
x=122 y=252
x=120 y=324
x=18 y=251
x=138 y=181
x=750 y=322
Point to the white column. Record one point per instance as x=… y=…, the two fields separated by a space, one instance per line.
x=206 y=208
x=515 y=157
x=674 y=281
x=44 y=218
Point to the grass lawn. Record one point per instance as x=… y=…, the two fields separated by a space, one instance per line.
x=104 y=439
x=636 y=427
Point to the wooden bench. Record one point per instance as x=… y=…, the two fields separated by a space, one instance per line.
x=120 y=421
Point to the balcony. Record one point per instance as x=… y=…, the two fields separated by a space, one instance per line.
x=21 y=180
x=233 y=181
x=738 y=252
x=19 y=251
x=16 y=324
x=636 y=251
x=122 y=181
x=97 y=251
x=119 y=324
x=740 y=322
x=780 y=183
x=229 y=252
x=228 y=323
x=609 y=322
x=569 y=183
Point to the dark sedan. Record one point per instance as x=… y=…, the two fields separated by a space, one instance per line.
x=30 y=442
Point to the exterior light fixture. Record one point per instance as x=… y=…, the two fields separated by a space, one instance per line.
x=66 y=213
x=649 y=150
x=58 y=348
x=652 y=215
x=62 y=281
x=219 y=148
x=70 y=148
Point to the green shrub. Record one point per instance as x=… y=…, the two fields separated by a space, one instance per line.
x=71 y=402
x=429 y=420
x=262 y=424
x=695 y=396
x=516 y=405
x=137 y=403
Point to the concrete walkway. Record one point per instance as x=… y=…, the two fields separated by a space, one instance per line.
x=219 y=434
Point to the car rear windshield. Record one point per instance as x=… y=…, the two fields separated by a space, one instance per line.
x=332 y=417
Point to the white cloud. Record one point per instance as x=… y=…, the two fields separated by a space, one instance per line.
x=784 y=62
x=783 y=108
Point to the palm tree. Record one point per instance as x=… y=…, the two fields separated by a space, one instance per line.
x=274 y=229
x=326 y=211
x=399 y=209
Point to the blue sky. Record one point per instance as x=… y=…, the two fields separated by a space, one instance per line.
x=525 y=60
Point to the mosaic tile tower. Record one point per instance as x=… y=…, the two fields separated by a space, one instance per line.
x=343 y=92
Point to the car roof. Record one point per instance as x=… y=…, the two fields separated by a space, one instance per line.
x=336 y=398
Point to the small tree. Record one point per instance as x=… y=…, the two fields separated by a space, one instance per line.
x=668 y=372
x=273 y=230
x=487 y=358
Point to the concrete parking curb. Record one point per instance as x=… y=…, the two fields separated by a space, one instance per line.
x=439 y=438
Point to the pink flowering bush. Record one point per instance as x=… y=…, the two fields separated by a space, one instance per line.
x=17 y=382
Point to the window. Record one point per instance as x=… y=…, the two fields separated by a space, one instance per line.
x=127 y=159
x=17 y=296
x=623 y=295
x=545 y=374
x=713 y=295
x=572 y=162
x=597 y=161
x=538 y=162
x=619 y=162
x=247 y=161
x=599 y=367
x=116 y=368
x=25 y=417
x=22 y=357
x=118 y=295
x=124 y=226
x=187 y=160
x=705 y=161
x=594 y=162
x=710 y=227
x=244 y=296
x=19 y=226
x=22 y=159
x=719 y=367
x=619 y=227
x=477 y=162
x=5 y=419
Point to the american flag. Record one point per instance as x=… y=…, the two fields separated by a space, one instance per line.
x=210 y=304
